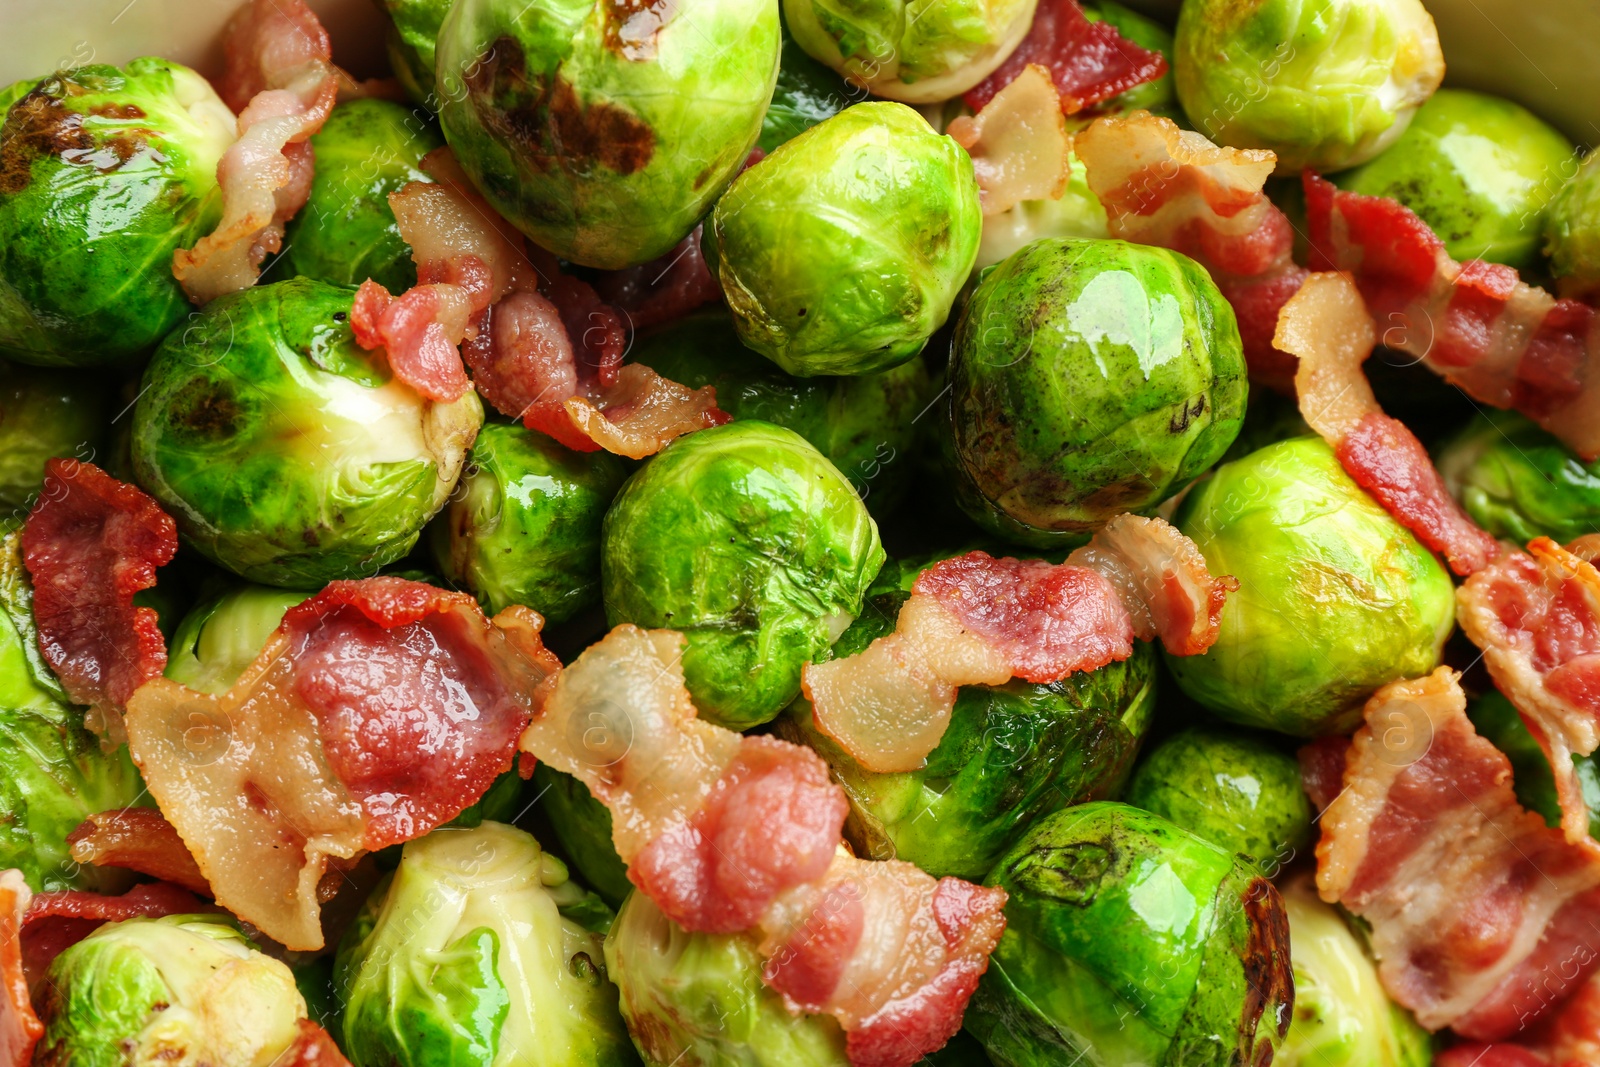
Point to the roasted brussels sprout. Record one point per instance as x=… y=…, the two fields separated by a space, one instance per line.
x=43 y=414
x=413 y=32
x=745 y=538
x=582 y=828
x=1229 y=788
x=1342 y=1017
x=524 y=525
x=605 y=131
x=1519 y=482
x=1325 y=84
x=465 y=956
x=1497 y=721
x=1129 y=940
x=107 y=172
x=842 y=251
x=223 y=635
x=1335 y=597
x=346 y=233
x=1478 y=169
x=1572 y=230
x=697 y=1000
x=1089 y=378
x=285 y=452
x=180 y=989
x=807 y=93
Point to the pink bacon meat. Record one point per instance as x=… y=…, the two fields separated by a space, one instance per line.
x=1089 y=62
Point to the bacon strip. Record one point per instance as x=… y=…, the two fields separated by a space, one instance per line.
x=1019 y=143
x=1476 y=324
x=56 y=921
x=664 y=289
x=138 y=839
x=282 y=82
x=1090 y=62
x=90 y=543
x=1569 y=1038
x=377 y=711
x=20 y=1028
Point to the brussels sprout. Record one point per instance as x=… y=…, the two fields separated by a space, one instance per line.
x=1229 y=788
x=1342 y=1017
x=1572 y=229
x=1129 y=940
x=524 y=526
x=181 y=989
x=1498 y=722
x=465 y=957
x=225 y=633
x=413 y=32
x=1077 y=212
x=604 y=131
x=1478 y=169
x=44 y=413
x=104 y=173
x=1325 y=84
x=745 y=538
x=346 y=233
x=285 y=452
x=911 y=50
x=1335 y=597
x=807 y=93
x=865 y=424
x=1089 y=378
x=842 y=251
x=1159 y=96
x=1519 y=482
x=582 y=826
x=697 y=1000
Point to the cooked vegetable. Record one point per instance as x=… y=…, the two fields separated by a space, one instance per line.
x=582 y=827
x=807 y=93
x=44 y=414
x=413 y=31
x=224 y=634
x=1572 y=229
x=1518 y=482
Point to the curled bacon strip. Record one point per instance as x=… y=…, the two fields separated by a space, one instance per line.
x=138 y=839
x=1019 y=143
x=90 y=543
x=664 y=289
x=1089 y=61
x=20 y=1028
x=281 y=80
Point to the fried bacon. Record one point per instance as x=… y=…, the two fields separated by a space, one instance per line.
x=1089 y=62
x=56 y=921
x=664 y=289
x=1568 y=1038
x=377 y=711
x=728 y=832
x=282 y=82
x=1019 y=143
x=90 y=543
x=1476 y=324
x=138 y=839
x=20 y=1028
x=1474 y=903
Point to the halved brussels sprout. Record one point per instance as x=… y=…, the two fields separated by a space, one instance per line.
x=1572 y=229
x=842 y=251
x=582 y=827
x=43 y=414
x=1335 y=597
x=1498 y=722
x=1519 y=482
x=745 y=538
x=1089 y=378
x=602 y=130
x=225 y=633
x=807 y=93
x=413 y=32
x=285 y=452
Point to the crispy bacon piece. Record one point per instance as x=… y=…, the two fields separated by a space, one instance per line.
x=1089 y=61
x=90 y=543
x=377 y=711
x=313 y=1047
x=663 y=289
x=20 y=1028
x=1170 y=187
x=138 y=839
x=1568 y=1038
x=281 y=80
x=1474 y=903
x=1019 y=143
x=56 y=921
x=643 y=412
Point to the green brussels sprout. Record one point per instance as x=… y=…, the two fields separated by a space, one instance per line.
x=1519 y=482
x=1130 y=940
x=180 y=989
x=1478 y=169
x=465 y=956
x=1088 y=378
x=286 y=453
x=1325 y=84
x=1342 y=1017
x=911 y=50
x=43 y=414
x=346 y=233
x=697 y=1000
x=1498 y=722
x=105 y=173
x=745 y=538
x=865 y=424
x=1229 y=788
x=582 y=827
x=605 y=131
x=524 y=525
x=1572 y=229
x=842 y=251
x=807 y=93
x=1159 y=96
x=1335 y=597
x=412 y=33
x=224 y=634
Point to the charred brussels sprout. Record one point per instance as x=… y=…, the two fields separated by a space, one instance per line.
x=180 y=989
x=1325 y=84
x=1519 y=482
x=412 y=35
x=43 y=414
x=285 y=452
x=1335 y=597
x=1498 y=722
x=104 y=173
x=468 y=956
x=224 y=634
x=842 y=251
x=1478 y=169
x=582 y=827
x=1129 y=940
x=1229 y=788
x=807 y=93
x=604 y=130
x=524 y=525
x=1572 y=229
x=745 y=538
x=697 y=1000
x=346 y=233
x=1089 y=378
